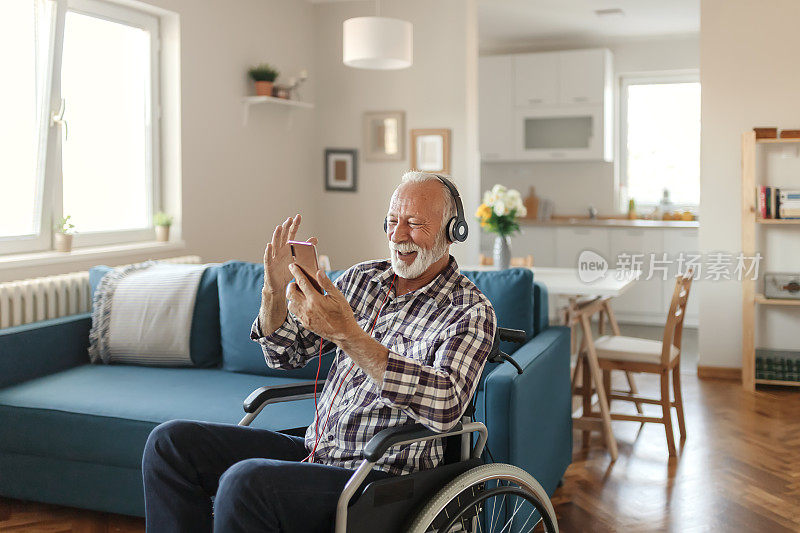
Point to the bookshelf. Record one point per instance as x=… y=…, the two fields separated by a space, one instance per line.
x=751 y=299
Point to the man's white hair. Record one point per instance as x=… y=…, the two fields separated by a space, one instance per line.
x=449 y=211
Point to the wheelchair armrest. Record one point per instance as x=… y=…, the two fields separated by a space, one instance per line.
x=278 y=393
x=385 y=439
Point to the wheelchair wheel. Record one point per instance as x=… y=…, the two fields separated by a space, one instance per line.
x=489 y=498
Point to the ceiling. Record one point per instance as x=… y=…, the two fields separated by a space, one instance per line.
x=514 y=22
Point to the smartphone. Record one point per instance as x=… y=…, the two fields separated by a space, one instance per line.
x=304 y=255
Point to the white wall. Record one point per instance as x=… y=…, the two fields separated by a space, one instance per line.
x=438 y=91
x=237 y=182
x=749 y=78
x=574 y=186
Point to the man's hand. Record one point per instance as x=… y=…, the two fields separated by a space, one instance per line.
x=328 y=315
x=331 y=317
x=277 y=257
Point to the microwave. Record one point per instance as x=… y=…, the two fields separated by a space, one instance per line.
x=570 y=133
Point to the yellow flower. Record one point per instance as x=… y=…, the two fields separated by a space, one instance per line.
x=484 y=211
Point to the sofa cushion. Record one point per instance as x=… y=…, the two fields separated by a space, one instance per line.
x=204 y=337
x=240 y=285
x=511 y=294
x=104 y=413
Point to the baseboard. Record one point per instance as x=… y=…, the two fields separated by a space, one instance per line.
x=719 y=372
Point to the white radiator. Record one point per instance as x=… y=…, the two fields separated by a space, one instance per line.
x=31 y=300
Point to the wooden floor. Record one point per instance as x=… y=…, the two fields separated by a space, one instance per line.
x=739 y=470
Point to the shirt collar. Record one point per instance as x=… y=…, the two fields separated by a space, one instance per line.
x=438 y=289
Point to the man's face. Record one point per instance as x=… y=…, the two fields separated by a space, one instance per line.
x=414 y=221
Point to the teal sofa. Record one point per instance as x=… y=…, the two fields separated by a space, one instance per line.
x=72 y=433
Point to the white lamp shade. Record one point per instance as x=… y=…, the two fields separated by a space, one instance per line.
x=378 y=43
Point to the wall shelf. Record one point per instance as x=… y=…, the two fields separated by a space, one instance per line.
x=777 y=141
x=761 y=299
x=249 y=101
x=778 y=221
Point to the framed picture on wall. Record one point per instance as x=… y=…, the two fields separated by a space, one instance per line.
x=341 y=169
x=384 y=134
x=430 y=150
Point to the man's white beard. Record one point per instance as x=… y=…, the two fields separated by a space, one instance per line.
x=423 y=260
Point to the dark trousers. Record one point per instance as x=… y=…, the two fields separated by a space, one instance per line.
x=254 y=475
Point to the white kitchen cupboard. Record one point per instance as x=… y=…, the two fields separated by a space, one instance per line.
x=646 y=301
x=585 y=76
x=645 y=298
x=574 y=133
x=570 y=242
x=561 y=105
x=538 y=241
x=495 y=112
x=685 y=241
x=536 y=80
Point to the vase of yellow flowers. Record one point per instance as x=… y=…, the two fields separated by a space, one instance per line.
x=498 y=214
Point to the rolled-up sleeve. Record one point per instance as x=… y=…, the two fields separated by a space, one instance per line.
x=437 y=395
x=289 y=346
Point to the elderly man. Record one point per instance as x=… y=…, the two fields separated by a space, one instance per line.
x=411 y=337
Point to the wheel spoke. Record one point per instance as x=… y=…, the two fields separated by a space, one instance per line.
x=529 y=517
x=517 y=507
x=499 y=511
x=491 y=520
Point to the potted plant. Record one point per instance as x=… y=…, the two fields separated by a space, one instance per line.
x=498 y=214
x=162 y=222
x=263 y=75
x=64 y=229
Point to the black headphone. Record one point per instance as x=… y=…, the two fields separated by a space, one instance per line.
x=456 y=228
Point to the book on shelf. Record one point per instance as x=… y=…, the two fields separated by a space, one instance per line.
x=777 y=365
x=777 y=202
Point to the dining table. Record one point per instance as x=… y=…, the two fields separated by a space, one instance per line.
x=582 y=300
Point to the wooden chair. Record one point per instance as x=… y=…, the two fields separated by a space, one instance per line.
x=631 y=354
x=526 y=261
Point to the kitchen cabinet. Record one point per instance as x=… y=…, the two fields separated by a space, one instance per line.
x=645 y=297
x=536 y=79
x=646 y=301
x=677 y=242
x=547 y=106
x=495 y=113
x=541 y=242
x=584 y=76
x=570 y=242
x=561 y=133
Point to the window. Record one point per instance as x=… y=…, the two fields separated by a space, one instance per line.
x=660 y=140
x=81 y=133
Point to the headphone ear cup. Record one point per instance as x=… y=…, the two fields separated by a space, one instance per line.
x=451 y=229
x=385 y=225
x=461 y=230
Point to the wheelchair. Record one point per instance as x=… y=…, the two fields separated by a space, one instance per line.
x=463 y=493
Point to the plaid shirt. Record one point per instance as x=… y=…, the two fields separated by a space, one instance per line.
x=438 y=337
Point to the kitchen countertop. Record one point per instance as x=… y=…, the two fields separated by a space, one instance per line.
x=609 y=222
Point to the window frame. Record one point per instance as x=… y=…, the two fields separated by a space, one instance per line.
x=652 y=78
x=49 y=201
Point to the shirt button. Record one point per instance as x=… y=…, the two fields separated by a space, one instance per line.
x=329 y=438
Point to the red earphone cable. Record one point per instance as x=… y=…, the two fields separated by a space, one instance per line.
x=317 y=432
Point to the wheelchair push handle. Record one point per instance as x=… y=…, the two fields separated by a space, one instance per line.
x=511 y=335
x=506 y=334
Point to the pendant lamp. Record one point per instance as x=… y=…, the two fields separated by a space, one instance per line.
x=378 y=43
